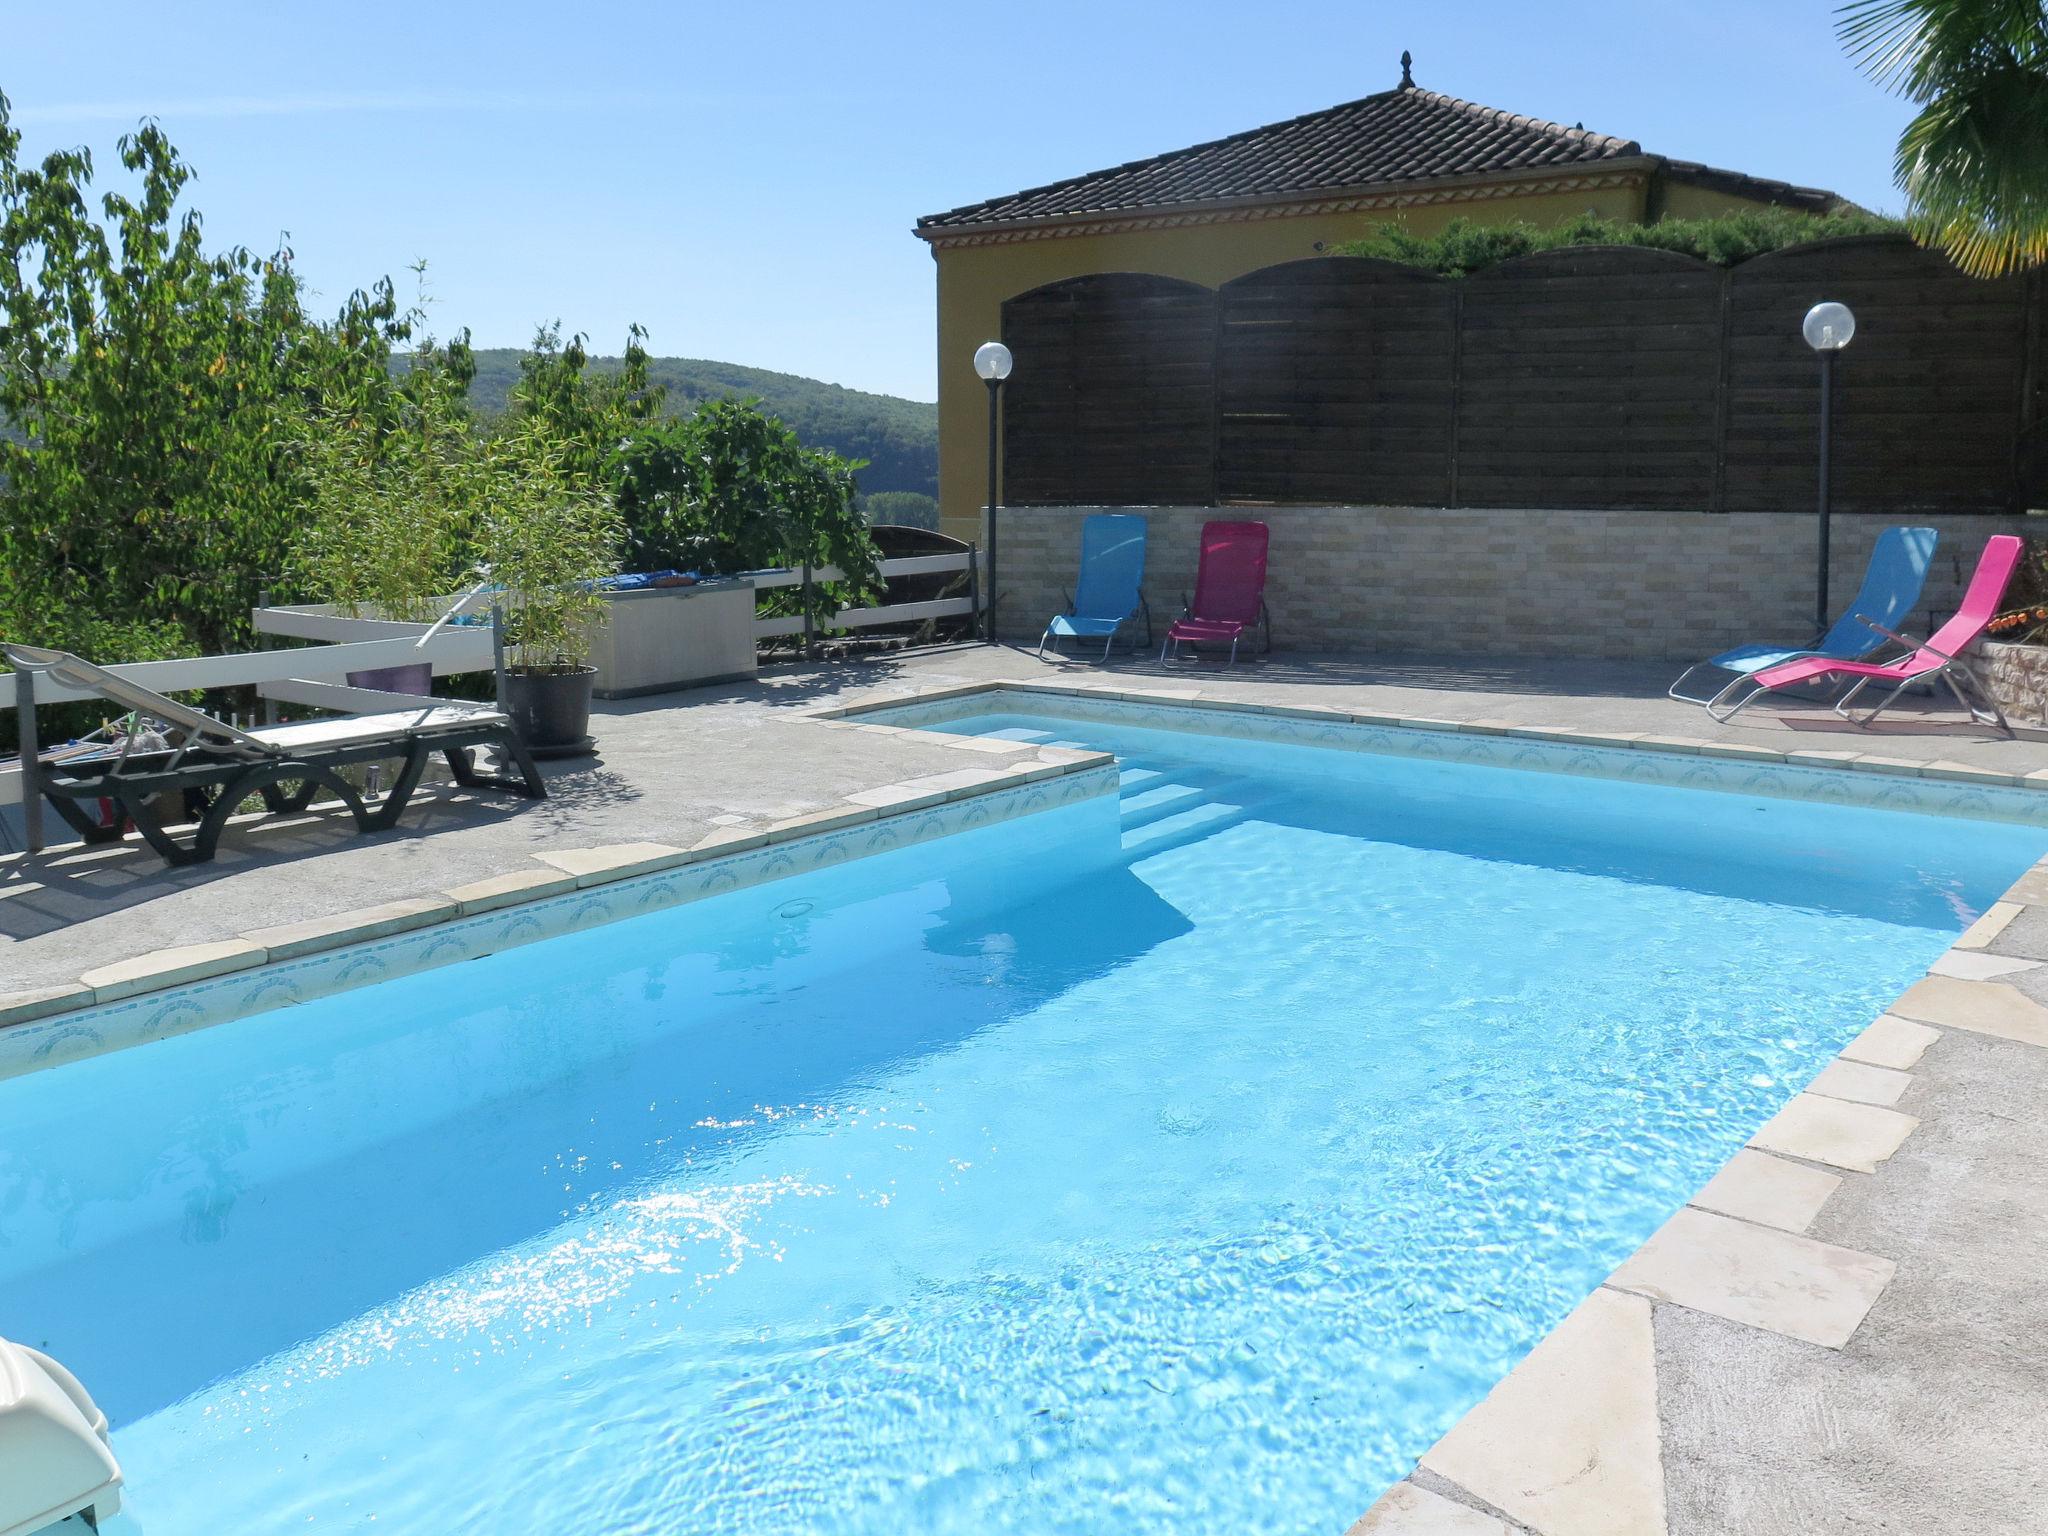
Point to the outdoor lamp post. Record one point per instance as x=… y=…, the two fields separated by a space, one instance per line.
x=992 y=362
x=1827 y=329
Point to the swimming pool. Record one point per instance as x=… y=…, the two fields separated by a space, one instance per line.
x=1188 y=1157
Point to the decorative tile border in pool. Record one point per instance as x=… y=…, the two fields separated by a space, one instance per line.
x=1837 y=777
x=173 y=991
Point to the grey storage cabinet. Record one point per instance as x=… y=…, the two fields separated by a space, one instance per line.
x=663 y=638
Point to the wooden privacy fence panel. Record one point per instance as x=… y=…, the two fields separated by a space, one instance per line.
x=1333 y=383
x=1927 y=394
x=1585 y=377
x=1119 y=403
x=2032 y=451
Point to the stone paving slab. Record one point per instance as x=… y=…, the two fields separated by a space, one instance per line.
x=1567 y=1442
x=1768 y=1279
x=1819 y=1129
x=1892 y=1042
x=1408 y=1510
x=1987 y=1007
x=1769 y=1191
x=1860 y=1083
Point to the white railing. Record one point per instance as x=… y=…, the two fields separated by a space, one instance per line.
x=968 y=562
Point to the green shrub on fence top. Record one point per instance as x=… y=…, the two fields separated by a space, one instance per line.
x=1463 y=247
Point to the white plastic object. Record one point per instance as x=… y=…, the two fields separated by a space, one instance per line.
x=56 y=1459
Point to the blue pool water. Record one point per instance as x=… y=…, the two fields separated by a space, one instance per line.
x=1185 y=1160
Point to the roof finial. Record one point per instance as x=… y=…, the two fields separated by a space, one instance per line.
x=1407 y=79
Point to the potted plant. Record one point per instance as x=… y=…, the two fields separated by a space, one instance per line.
x=547 y=540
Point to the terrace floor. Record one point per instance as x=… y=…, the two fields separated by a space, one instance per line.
x=1925 y=1419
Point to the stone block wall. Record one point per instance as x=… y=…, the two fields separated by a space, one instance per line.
x=2017 y=676
x=1640 y=586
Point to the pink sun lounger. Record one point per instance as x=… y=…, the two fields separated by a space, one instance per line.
x=1938 y=656
x=1230 y=590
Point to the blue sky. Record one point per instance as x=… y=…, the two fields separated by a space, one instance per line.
x=741 y=179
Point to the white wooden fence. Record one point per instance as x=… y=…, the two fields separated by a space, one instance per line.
x=968 y=562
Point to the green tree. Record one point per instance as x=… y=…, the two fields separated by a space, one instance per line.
x=590 y=411
x=907 y=509
x=731 y=489
x=151 y=391
x=1974 y=163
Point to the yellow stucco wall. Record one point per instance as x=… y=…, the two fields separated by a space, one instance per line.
x=1678 y=201
x=975 y=280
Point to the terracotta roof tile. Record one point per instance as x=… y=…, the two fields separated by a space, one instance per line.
x=1760 y=189
x=1406 y=134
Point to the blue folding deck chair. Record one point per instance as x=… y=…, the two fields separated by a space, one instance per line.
x=1891 y=586
x=1106 y=595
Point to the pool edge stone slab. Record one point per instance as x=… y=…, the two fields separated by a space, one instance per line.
x=1569 y=1440
x=157 y=995
x=1409 y=1509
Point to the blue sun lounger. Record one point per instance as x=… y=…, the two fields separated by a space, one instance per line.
x=1107 y=595
x=1891 y=586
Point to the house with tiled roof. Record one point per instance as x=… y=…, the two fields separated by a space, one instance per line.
x=1214 y=211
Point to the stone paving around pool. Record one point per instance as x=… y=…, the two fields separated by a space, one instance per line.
x=1838 y=1334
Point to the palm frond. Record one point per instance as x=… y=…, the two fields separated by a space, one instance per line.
x=1974 y=167
x=1974 y=162
x=1920 y=47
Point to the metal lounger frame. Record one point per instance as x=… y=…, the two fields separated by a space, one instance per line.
x=1143 y=610
x=1948 y=671
x=223 y=783
x=1265 y=635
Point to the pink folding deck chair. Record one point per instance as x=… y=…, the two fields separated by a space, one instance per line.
x=1940 y=655
x=1230 y=590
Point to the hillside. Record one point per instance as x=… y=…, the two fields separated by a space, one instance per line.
x=898 y=438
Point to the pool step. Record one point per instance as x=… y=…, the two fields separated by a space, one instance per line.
x=1181 y=827
x=1148 y=805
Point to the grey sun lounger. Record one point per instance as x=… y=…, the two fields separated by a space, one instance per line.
x=214 y=766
